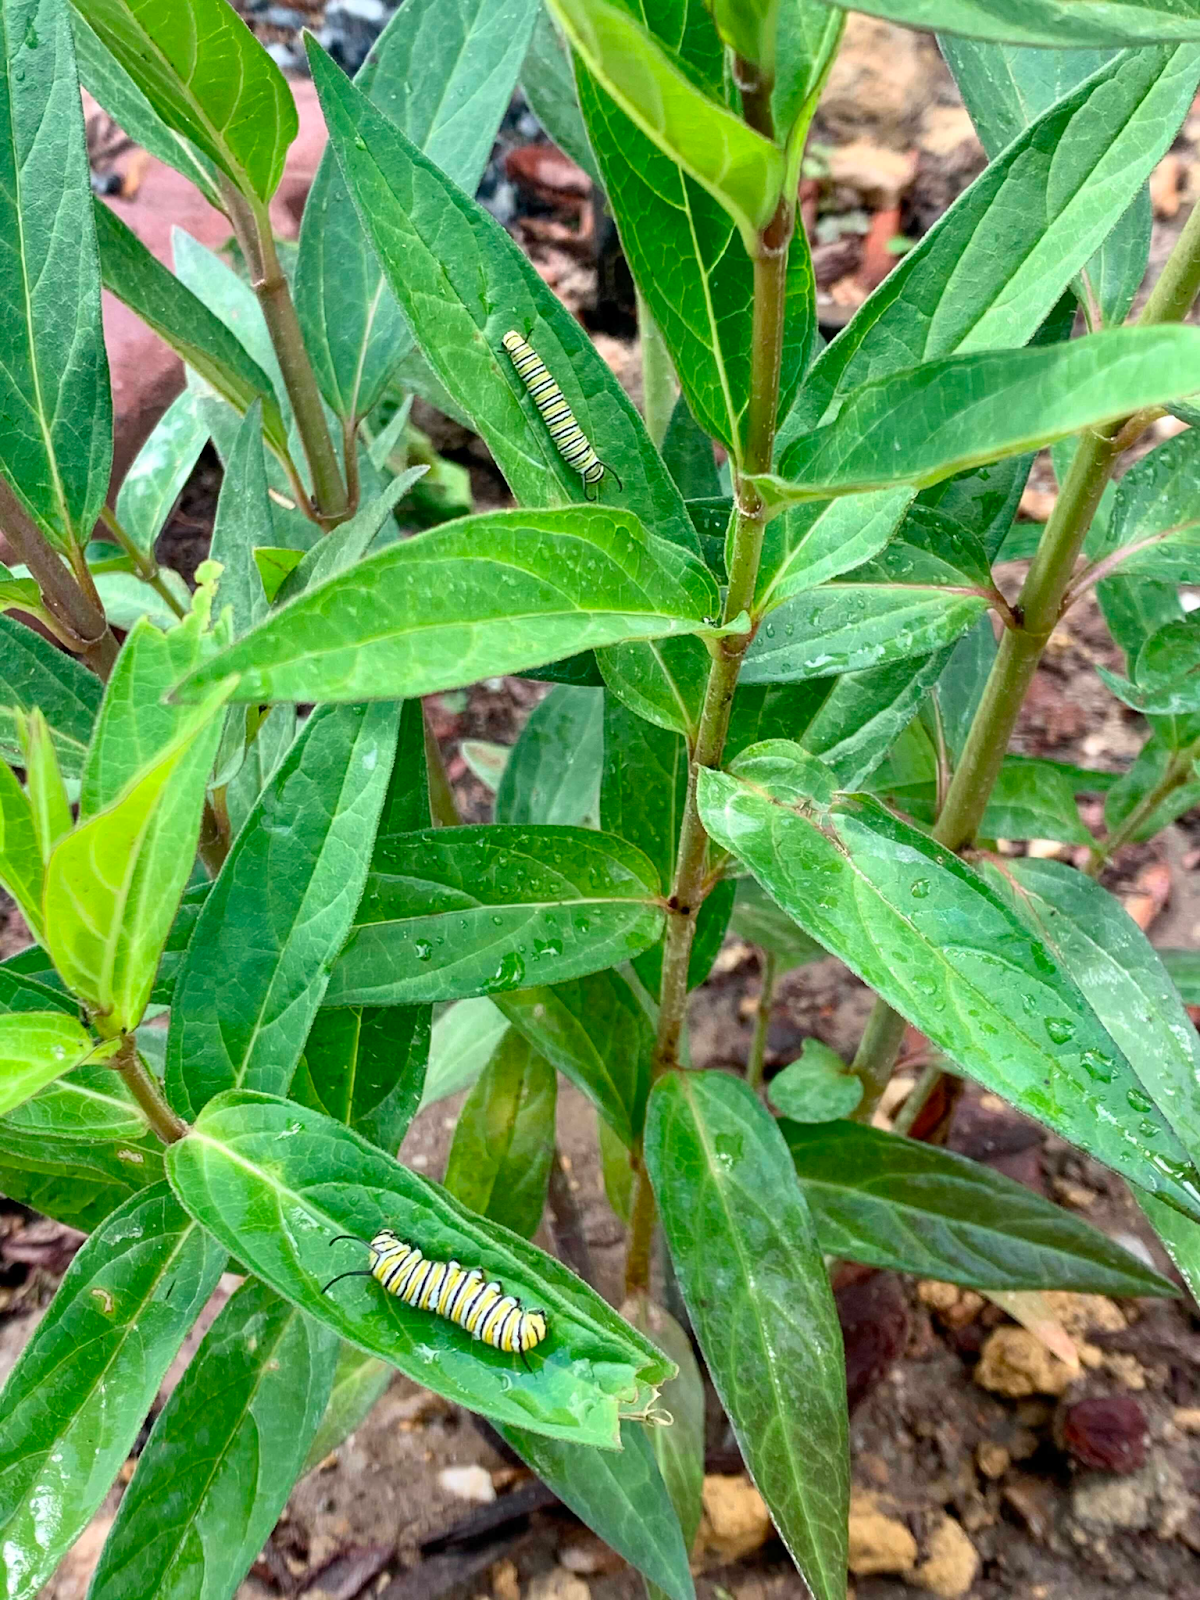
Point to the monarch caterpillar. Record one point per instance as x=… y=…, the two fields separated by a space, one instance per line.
x=572 y=443
x=462 y=1295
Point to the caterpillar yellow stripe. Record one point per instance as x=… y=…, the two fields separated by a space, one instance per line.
x=463 y=1295
x=572 y=443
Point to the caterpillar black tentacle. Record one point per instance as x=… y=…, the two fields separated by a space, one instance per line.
x=572 y=443
x=461 y=1294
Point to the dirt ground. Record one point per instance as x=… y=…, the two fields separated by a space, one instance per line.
x=960 y=1490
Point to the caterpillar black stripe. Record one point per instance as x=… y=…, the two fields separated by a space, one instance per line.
x=463 y=1295
x=572 y=443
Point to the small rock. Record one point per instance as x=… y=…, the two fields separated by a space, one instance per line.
x=1075 y=1194
x=1033 y=1501
x=952 y=1564
x=878 y=1543
x=992 y=1459
x=1126 y=1368
x=1164 y=187
x=945 y=130
x=558 y=1584
x=506 y=1583
x=880 y=79
x=1108 y=1432
x=1013 y=1362
x=1103 y=1503
x=468 y=1483
x=735 y=1520
x=1187 y=1418
x=584 y=1553
x=954 y=1306
x=881 y=176
x=1037 y=504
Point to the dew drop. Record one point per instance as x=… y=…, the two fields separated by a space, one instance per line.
x=424 y=950
x=920 y=888
x=1061 y=1030
x=1139 y=1100
x=1098 y=1066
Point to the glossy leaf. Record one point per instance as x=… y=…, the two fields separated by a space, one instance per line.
x=243 y=520
x=1166 y=674
x=1183 y=968
x=475 y=598
x=358 y=1382
x=1056 y=23
x=76 y=1398
x=810 y=544
x=282 y=1180
x=548 y=84
x=1154 y=530
x=930 y=936
x=349 y=543
x=954 y=413
x=816 y=1088
x=995 y=264
x=56 y=448
x=620 y=1495
x=21 y=864
x=461 y=1044
x=160 y=470
x=1180 y=1238
x=444 y=73
x=269 y=931
x=183 y=321
x=760 y=1304
x=208 y=78
x=499 y=1161
x=662 y=681
x=91 y=1103
x=448 y=913
x=897 y=1203
x=758 y=920
x=679 y=1447
x=553 y=772
x=365 y=1066
x=462 y=283
x=35 y=1048
x=596 y=1032
x=223 y=1454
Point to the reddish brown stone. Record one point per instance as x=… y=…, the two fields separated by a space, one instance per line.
x=1107 y=1432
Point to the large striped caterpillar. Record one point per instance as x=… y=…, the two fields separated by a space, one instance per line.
x=572 y=443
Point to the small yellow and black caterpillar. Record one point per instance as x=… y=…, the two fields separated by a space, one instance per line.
x=573 y=444
x=461 y=1294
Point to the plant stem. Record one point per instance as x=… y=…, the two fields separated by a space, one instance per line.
x=146 y=1092
x=252 y=228
x=658 y=376
x=1178 y=772
x=79 y=617
x=762 y=1020
x=146 y=566
x=442 y=806
x=216 y=835
x=917 y=1097
x=1179 y=281
x=566 y=1222
x=641 y=1233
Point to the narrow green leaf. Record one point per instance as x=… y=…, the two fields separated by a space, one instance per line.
x=35 y=1048
x=475 y=598
x=930 y=936
x=161 y=468
x=366 y=1067
x=243 y=520
x=56 y=448
x=1183 y=968
x=224 y=1452
x=662 y=681
x=596 y=1032
x=679 y=1447
x=816 y=1088
x=460 y=1046
x=758 y=920
x=257 y=963
x=208 y=78
x=742 y=171
x=1180 y=1238
x=892 y=1202
x=462 y=284
x=21 y=990
x=358 y=1382
x=1033 y=800
x=553 y=771
x=444 y=74
x=812 y=543
x=76 y=1398
x=21 y=864
x=90 y=1103
x=448 y=913
x=499 y=1161
x=281 y=1180
x=71 y=1196
x=1056 y=23
x=548 y=83
x=183 y=321
x=348 y=544
x=760 y=1304
x=620 y=1495
x=1154 y=530
x=1166 y=674
x=36 y=675
x=947 y=415
x=688 y=453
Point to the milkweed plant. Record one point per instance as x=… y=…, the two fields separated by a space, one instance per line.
x=784 y=693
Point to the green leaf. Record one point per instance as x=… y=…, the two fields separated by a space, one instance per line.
x=36 y=675
x=1166 y=674
x=758 y=920
x=662 y=681
x=679 y=1447
x=812 y=543
x=106 y=80
x=21 y=990
x=947 y=415
x=76 y=1398
x=816 y=1088
x=258 y=961
x=460 y=1046
x=160 y=470
x=90 y=1104
x=358 y=1382
x=56 y=449
x=224 y=1452
x=281 y=1180
x=182 y=320
x=444 y=75
x=1059 y=24
x=617 y=1170
x=472 y=599
x=620 y=1495
x=208 y=78
x=759 y=1300
x=1179 y=1236
x=448 y=913
x=1123 y=980
x=337 y=551
x=112 y=886
x=230 y=298
x=596 y=1032
x=943 y=949
x=1033 y=800
x=35 y=1048
x=1154 y=530
x=688 y=453
x=365 y=1066
x=499 y=1161
x=21 y=864
x=743 y=171
x=995 y=264
x=548 y=83
x=243 y=520
x=462 y=284
x=892 y=1202
x=644 y=786
x=1183 y=968
x=553 y=772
